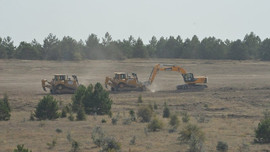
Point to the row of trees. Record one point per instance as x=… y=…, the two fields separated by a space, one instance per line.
x=251 y=47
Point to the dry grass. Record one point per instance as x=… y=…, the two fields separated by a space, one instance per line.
x=237 y=94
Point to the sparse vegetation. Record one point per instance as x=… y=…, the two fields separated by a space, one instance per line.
x=166 y=111
x=174 y=122
x=133 y=141
x=75 y=146
x=222 y=146
x=132 y=115
x=110 y=144
x=155 y=106
x=262 y=132
x=4 y=108
x=140 y=99
x=193 y=136
x=145 y=113
x=81 y=115
x=20 y=148
x=52 y=144
x=47 y=108
x=185 y=117
x=98 y=136
x=155 y=125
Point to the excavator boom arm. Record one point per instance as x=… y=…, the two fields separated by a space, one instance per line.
x=170 y=67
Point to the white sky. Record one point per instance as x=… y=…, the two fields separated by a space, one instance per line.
x=25 y=20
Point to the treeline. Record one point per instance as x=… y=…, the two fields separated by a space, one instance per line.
x=251 y=47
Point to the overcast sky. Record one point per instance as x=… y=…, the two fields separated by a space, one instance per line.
x=25 y=20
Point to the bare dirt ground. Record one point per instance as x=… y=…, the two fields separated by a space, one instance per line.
x=232 y=105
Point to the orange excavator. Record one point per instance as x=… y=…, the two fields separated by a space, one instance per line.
x=191 y=82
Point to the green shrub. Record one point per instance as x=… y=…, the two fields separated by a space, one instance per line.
x=193 y=136
x=127 y=121
x=185 y=117
x=81 y=114
x=174 y=121
x=20 y=148
x=5 y=99
x=262 y=132
x=4 y=108
x=155 y=125
x=47 y=108
x=58 y=130
x=114 y=120
x=111 y=145
x=155 y=106
x=166 y=111
x=77 y=98
x=132 y=115
x=52 y=144
x=71 y=117
x=145 y=113
x=98 y=136
x=222 y=146
x=140 y=99
x=75 y=146
x=133 y=141
x=64 y=113
x=188 y=131
x=93 y=99
x=103 y=121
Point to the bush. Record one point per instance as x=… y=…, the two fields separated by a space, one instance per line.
x=47 y=108
x=4 y=108
x=155 y=125
x=145 y=113
x=75 y=146
x=52 y=144
x=193 y=136
x=98 y=136
x=93 y=99
x=263 y=131
x=81 y=115
x=20 y=148
x=111 y=145
x=155 y=106
x=4 y=111
x=114 y=120
x=132 y=115
x=174 y=122
x=140 y=99
x=185 y=117
x=133 y=141
x=77 y=98
x=166 y=111
x=222 y=146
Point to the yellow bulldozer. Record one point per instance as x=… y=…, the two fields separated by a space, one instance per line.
x=61 y=84
x=122 y=81
x=191 y=82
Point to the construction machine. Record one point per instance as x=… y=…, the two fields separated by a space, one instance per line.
x=189 y=79
x=122 y=81
x=61 y=84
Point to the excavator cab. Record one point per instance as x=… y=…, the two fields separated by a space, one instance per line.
x=188 y=77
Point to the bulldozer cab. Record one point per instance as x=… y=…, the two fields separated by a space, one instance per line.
x=59 y=77
x=120 y=76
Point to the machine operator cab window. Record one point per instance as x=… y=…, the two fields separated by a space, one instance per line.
x=122 y=76
x=188 y=77
x=59 y=77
